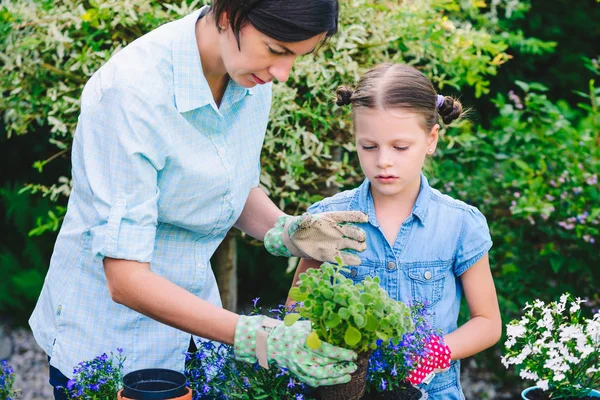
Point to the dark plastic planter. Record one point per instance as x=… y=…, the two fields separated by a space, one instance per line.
x=155 y=384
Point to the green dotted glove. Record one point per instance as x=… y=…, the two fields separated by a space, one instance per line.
x=320 y=237
x=270 y=341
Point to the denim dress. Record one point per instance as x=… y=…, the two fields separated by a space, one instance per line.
x=440 y=240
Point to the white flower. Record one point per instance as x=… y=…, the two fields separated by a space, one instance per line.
x=564 y=298
x=559 y=377
x=515 y=331
x=574 y=307
x=527 y=374
x=592 y=370
x=543 y=384
x=510 y=342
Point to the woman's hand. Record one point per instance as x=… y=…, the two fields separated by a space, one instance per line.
x=320 y=237
x=270 y=341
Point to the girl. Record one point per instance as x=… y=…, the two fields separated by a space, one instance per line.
x=165 y=161
x=423 y=245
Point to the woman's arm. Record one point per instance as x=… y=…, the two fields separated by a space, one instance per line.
x=259 y=214
x=484 y=328
x=133 y=284
x=303 y=266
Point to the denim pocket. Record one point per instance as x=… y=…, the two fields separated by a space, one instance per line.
x=427 y=282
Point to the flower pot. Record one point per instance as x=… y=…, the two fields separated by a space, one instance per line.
x=352 y=390
x=592 y=394
x=155 y=384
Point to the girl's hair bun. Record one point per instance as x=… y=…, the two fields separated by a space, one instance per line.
x=450 y=110
x=344 y=95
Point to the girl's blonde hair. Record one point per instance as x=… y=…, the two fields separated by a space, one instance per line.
x=388 y=86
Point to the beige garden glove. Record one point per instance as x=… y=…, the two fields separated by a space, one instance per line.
x=320 y=237
x=269 y=341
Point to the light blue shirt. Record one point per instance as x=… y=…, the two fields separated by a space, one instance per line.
x=160 y=174
x=439 y=241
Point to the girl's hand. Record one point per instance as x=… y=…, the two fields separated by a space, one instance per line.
x=437 y=360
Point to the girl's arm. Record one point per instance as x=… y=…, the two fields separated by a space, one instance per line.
x=303 y=266
x=484 y=328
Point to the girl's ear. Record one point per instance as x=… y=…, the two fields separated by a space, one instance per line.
x=432 y=140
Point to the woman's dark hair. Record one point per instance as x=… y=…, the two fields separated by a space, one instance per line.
x=400 y=86
x=283 y=20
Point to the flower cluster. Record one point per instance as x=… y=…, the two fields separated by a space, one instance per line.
x=7 y=379
x=556 y=346
x=214 y=373
x=390 y=365
x=98 y=379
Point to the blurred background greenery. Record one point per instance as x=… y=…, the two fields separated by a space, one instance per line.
x=528 y=156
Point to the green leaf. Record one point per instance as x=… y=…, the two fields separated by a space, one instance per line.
x=291 y=319
x=297 y=295
x=333 y=321
x=352 y=336
x=313 y=341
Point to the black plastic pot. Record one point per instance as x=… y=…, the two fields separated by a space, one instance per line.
x=155 y=384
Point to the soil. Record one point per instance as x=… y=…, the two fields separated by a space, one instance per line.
x=539 y=394
x=407 y=393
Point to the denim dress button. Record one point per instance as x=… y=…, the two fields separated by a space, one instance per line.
x=391 y=265
x=427 y=275
x=354 y=272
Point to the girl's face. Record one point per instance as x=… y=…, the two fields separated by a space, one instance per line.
x=260 y=58
x=392 y=146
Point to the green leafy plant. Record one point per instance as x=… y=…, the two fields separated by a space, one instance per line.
x=557 y=347
x=348 y=315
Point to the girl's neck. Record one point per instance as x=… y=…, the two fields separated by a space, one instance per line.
x=392 y=211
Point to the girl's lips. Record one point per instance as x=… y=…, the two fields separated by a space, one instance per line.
x=386 y=178
x=258 y=80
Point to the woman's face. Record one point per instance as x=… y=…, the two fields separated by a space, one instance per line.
x=260 y=58
x=392 y=146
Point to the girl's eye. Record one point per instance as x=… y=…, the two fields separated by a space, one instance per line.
x=368 y=148
x=273 y=51
x=401 y=148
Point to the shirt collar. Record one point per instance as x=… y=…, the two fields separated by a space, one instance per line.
x=364 y=200
x=191 y=88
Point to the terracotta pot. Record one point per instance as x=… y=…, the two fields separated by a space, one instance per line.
x=154 y=384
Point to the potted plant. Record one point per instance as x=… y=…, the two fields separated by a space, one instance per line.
x=555 y=346
x=7 y=379
x=389 y=366
x=97 y=379
x=344 y=314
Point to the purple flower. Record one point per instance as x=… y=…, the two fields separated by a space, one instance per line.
x=254 y=301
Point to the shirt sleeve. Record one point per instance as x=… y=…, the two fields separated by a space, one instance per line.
x=116 y=159
x=316 y=208
x=474 y=241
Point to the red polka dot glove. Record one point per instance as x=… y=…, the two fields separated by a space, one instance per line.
x=437 y=358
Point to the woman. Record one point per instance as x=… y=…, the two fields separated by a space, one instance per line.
x=165 y=162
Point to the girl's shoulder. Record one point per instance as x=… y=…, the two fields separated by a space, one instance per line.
x=342 y=201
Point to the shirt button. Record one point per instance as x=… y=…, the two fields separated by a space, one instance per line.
x=427 y=275
x=391 y=265
x=354 y=272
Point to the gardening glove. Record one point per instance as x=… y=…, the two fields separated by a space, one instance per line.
x=270 y=341
x=320 y=237
x=437 y=359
